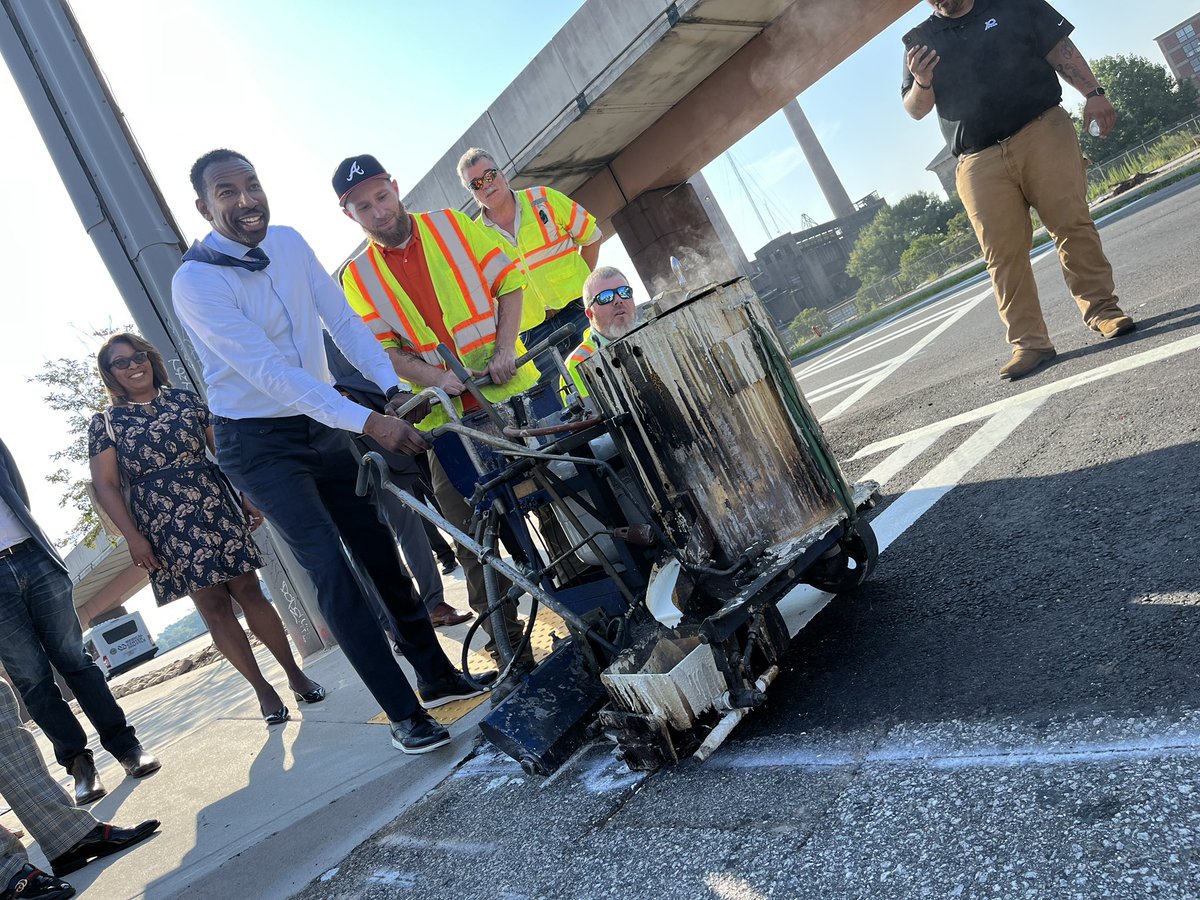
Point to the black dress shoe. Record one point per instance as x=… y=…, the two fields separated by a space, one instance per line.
x=88 y=786
x=449 y=564
x=418 y=734
x=454 y=687
x=138 y=763
x=103 y=840
x=31 y=883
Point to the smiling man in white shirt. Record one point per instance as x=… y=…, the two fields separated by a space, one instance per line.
x=253 y=300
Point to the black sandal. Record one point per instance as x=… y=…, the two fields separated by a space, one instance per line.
x=278 y=717
x=316 y=695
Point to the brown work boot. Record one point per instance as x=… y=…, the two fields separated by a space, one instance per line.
x=1114 y=327
x=1025 y=362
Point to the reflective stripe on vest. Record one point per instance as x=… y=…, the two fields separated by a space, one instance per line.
x=469 y=312
x=554 y=243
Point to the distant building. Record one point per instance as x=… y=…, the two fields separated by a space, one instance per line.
x=1181 y=47
x=944 y=166
x=807 y=269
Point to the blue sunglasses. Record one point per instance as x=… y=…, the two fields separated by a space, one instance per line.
x=625 y=292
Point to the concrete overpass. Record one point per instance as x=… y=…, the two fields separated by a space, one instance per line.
x=632 y=97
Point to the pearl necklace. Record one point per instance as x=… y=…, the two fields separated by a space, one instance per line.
x=145 y=402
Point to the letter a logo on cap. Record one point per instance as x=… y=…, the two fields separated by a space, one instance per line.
x=355 y=169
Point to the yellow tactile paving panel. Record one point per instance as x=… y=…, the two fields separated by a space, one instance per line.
x=547 y=626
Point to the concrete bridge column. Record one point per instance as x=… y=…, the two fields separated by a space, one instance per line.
x=668 y=222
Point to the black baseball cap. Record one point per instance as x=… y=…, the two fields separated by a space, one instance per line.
x=353 y=171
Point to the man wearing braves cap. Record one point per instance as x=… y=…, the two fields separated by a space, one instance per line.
x=435 y=278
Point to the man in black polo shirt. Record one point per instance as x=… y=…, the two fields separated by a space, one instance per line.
x=992 y=67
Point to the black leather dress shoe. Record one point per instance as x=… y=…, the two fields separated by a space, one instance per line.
x=31 y=883
x=138 y=763
x=88 y=786
x=454 y=687
x=103 y=840
x=418 y=734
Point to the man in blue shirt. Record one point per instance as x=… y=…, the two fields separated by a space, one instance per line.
x=253 y=300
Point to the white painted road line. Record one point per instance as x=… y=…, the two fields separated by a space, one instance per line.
x=918 y=499
x=899 y=459
x=1117 y=367
x=876 y=338
x=1167 y=746
x=900 y=360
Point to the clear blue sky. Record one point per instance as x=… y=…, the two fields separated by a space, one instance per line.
x=298 y=85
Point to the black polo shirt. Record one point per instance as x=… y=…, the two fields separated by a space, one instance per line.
x=993 y=78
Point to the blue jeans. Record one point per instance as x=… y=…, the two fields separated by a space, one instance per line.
x=302 y=474
x=39 y=629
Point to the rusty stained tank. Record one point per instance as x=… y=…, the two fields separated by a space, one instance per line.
x=709 y=433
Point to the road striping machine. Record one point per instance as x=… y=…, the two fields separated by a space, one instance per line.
x=662 y=519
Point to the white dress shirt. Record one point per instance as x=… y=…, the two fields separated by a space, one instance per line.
x=258 y=334
x=12 y=532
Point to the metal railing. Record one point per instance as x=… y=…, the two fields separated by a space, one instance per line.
x=1100 y=172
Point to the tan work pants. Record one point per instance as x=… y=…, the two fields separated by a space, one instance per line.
x=1041 y=166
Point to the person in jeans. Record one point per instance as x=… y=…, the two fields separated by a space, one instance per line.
x=39 y=630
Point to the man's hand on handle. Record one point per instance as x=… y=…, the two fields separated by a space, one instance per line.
x=395 y=434
x=503 y=366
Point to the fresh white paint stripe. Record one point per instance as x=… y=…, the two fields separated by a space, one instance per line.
x=844 y=384
x=895 y=463
x=875 y=339
x=900 y=360
x=1047 y=754
x=1116 y=367
x=918 y=499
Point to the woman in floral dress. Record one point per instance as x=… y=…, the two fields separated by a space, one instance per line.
x=181 y=522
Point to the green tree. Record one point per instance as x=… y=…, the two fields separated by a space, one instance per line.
x=800 y=329
x=923 y=260
x=1148 y=100
x=73 y=387
x=881 y=244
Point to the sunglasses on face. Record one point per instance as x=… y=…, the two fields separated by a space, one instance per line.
x=625 y=292
x=486 y=178
x=124 y=362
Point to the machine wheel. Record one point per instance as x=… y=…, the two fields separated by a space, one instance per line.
x=850 y=566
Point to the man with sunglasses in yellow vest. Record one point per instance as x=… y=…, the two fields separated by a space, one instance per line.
x=554 y=240
x=437 y=278
x=608 y=304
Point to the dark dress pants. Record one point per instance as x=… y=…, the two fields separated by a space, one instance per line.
x=302 y=474
x=39 y=629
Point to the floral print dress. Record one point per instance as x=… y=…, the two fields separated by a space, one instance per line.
x=176 y=497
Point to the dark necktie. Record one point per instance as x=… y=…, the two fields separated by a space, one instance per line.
x=255 y=259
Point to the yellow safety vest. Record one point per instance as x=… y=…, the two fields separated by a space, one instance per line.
x=552 y=228
x=469 y=270
x=585 y=349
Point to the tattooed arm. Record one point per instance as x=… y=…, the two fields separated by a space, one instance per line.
x=1073 y=68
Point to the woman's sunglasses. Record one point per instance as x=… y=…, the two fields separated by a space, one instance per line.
x=124 y=362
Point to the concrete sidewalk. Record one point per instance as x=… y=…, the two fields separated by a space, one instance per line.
x=252 y=812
